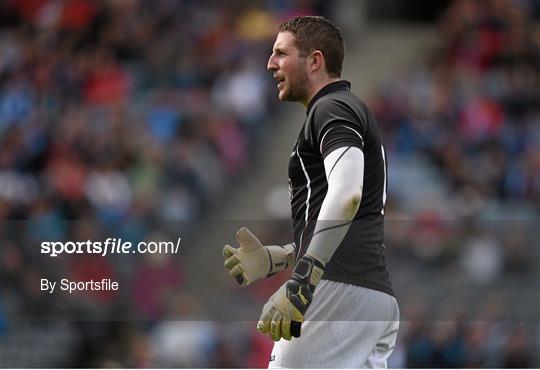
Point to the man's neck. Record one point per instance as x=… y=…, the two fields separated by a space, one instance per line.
x=317 y=87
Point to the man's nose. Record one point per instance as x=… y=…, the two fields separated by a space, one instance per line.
x=271 y=66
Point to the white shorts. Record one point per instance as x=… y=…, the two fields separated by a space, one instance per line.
x=346 y=326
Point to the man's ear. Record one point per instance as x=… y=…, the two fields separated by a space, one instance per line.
x=317 y=61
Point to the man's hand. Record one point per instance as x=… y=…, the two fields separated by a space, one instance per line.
x=283 y=314
x=253 y=261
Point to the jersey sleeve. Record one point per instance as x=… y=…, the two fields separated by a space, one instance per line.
x=336 y=125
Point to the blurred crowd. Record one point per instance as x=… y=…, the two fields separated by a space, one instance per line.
x=122 y=108
x=463 y=129
x=472 y=107
x=118 y=117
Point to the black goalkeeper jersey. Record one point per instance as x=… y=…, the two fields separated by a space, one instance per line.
x=337 y=118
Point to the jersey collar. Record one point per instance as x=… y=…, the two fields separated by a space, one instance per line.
x=330 y=88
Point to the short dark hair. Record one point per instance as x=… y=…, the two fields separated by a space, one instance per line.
x=318 y=33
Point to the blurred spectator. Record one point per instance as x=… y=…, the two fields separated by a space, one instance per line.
x=516 y=354
x=3 y=322
x=483 y=259
x=182 y=344
x=156 y=281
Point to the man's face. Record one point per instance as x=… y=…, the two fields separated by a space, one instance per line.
x=289 y=68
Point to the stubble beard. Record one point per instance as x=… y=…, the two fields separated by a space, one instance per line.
x=298 y=82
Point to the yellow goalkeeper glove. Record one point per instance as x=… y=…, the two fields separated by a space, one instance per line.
x=283 y=314
x=253 y=261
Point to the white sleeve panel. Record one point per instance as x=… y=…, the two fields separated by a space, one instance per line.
x=344 y=169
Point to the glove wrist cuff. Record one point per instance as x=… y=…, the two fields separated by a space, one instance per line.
x=280 y=258
x=308 y=270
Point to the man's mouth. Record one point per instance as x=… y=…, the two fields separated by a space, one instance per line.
x=280 y=80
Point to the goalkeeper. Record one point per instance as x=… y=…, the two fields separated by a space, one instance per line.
x=338 y=308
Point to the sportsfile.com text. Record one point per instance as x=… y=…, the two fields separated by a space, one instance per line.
x=109 y=246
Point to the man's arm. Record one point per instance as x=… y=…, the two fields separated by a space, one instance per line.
x=284 y=312
x=344 y=169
